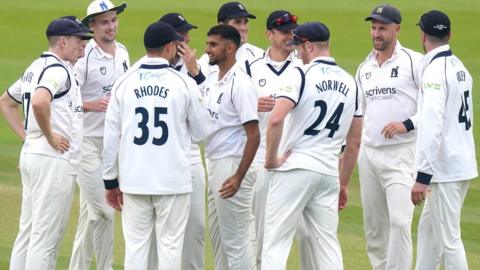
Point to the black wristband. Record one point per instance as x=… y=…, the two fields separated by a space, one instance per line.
x=200 y=78
x=424 y=178
x=408 y=125
x=111 y=184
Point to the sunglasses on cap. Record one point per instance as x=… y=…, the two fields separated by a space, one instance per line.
x=285 y=19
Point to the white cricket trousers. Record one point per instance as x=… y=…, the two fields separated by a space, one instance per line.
x=193 y=257
x=439 y=237
x=386 y=179
x=295 y=194
x=307 y=258
x=166 y=217
x=95 y=228
x=228 y=219
x=46 y=202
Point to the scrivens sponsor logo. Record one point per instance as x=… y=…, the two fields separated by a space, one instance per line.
x=383 y=93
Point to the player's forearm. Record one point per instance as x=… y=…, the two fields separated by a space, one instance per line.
x=350 y=155
x=274 y=134
x=12 y=115
x=251 y=146
x=41 y=110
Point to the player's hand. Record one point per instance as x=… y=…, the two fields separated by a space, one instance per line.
x=230 y=187
x=114 y=198
x=99 y=105
x=266 y=104
x=419 y=193
x=393 y=128
x=343 y=198
x=58 y=142
x=278 y=162
x=189 y=57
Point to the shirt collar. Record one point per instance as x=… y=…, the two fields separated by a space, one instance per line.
x=291 y=57
x=100 y=51
x=372 y=57
x=228 y=76
x=324 y=59
x=431 y=54
x=155 y=61
x=48 y=53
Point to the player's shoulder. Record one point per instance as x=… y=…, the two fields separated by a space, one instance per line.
x=414 y=56
x=255 y=51
x=257 y=62
x=121 y=46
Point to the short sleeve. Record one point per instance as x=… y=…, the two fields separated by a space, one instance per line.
x=15 y=91
x=293 y=89
x=54 y=79
x=244 y=98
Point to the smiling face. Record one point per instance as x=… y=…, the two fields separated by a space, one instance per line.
x=279 y=40
x=105 y=27
x=241 y=24
x=384 y=35
x=216 y=49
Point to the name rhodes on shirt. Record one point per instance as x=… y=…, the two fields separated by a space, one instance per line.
x=151 y=90
x=380 y=93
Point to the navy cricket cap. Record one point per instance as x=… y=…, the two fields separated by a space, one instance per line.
x=386 y=14
x=282 y=20
x=310 y=31
x=159 y=34
x=233 y=10
x=75 y=19
x=68 y=27
x=435 y=23
x=178 y=22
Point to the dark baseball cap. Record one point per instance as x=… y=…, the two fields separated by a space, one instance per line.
x=68 y=27
x=178 y=22
x=435 y=23
x=386 y=14
x=159 y=34
x=310 y=31
x=282 y=20
x=233 y=10
x=75 y=19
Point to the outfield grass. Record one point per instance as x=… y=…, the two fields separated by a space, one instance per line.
x=23 y=23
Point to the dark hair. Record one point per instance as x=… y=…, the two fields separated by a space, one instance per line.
x=226 y=32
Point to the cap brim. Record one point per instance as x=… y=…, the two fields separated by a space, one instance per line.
x=294 y=41
x=84 y=36
x=378 y=18
x=179 y=37
x=286 y=27
x=184 y=28
x=242 y=14
x=119 y=9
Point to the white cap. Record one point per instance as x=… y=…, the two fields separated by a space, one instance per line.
x=98 y=7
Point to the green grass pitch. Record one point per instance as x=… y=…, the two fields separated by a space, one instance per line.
x=23 y=24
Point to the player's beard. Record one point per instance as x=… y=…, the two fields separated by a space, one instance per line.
x=215 y=60
x=381 y=44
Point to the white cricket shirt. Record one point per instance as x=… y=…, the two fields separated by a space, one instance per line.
x=319 y=122
x=231 y=102
x=96 y=72
x=445 y=145
x=153 y=115
x=390 y=94
x=269 y=77
x=66 y=116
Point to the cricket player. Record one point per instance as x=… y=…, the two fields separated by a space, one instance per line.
x=230 y=148
x=185 y=62
x=303 y=152
x=153 y=114
x=388 y=80
x=270 y=73
x=445 y=158
x=235 y=14
x=53 y=128
x=105 y=60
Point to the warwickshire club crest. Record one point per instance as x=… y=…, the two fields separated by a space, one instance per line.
x=368 y=75
x=103 y=70
x=394 y=73
x=262 y=82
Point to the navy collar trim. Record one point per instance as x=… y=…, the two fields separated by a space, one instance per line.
x=278 y=73
x=147 y=66
x=442 y=54
x=326 y=62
